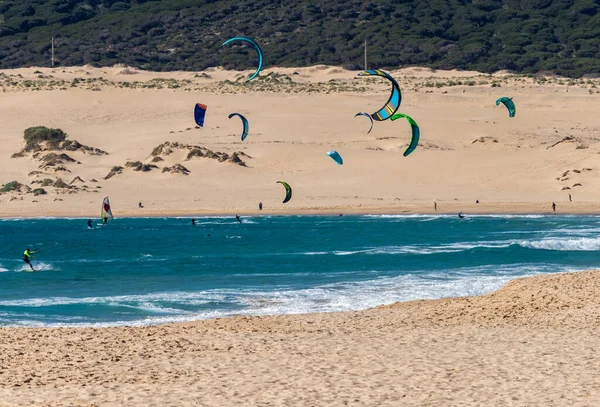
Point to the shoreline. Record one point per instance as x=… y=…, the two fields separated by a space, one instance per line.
x=397 y=304
x=586 y=209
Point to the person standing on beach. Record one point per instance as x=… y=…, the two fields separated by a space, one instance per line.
x=553 y=207
x=27 y=257
x=570 y=200
x=435 y=206
x=260 y=206
x=140 y=206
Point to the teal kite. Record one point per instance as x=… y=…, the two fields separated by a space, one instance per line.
x=256 y=47
x=393 y=102
x=336 y=157
x=366 y=115
x=288 y=191
x=416 y=133
x=510 y=105
x=244 y=123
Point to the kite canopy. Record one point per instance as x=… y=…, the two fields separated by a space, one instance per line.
x=366 y=115
x=510 y=105
x=335 y=156
x=393 y=102
x=415 y=132
x=288 y=191
x=105 y=212
x=199 y=113
x=256 y=47
x=244 y=123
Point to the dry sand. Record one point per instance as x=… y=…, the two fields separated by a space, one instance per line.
x=532 y=343
x=295 y=118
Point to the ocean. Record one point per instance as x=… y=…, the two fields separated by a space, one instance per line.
x=146 y=271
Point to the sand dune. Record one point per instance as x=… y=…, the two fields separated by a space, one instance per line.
x=470 y=150
x=534 y=342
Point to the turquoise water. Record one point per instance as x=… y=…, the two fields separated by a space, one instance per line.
x=149 y=271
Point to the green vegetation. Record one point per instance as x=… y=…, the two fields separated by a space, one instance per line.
x=11 y=186
x=36 y=135
x=560 y=36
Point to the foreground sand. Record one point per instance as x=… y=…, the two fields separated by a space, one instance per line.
x=532 y=343
x=469 y=149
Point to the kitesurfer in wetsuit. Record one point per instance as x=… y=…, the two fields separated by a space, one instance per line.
x=460 y=215
x=90 y=225
x=193 y=221
x=27 y=258
x=237 y=217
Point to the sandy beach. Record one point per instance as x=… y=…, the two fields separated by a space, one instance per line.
x=470 y=149
x=533 y=342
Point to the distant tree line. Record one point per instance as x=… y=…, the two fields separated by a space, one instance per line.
x=526 y=36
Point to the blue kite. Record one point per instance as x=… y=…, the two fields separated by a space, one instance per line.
x=199 y=113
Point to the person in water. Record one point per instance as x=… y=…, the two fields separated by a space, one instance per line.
x=27 y=257
x=193 y=221
x=90 y=225
x=460 y=215
x=104 y=221
x=237 y=217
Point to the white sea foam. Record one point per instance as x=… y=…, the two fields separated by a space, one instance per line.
x=557 y=244
x=38 y=266
x=340 y=296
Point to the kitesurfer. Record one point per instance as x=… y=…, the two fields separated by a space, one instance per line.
x=193 y=221
x=237 y=217
x=460 y=215
x=27 y=257
x=90 y=225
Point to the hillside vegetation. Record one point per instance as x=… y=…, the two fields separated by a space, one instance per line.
x=528 y=36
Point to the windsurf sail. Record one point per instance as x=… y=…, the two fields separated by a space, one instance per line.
x=106 y=213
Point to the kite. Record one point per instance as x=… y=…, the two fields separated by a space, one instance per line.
x=244 y=122
x=288 y=191
x=199 y=113
x=510 y=105
x=367 y=115
x=256 y=47
x=415 y=132
x=335 y=156
x=393 y=102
